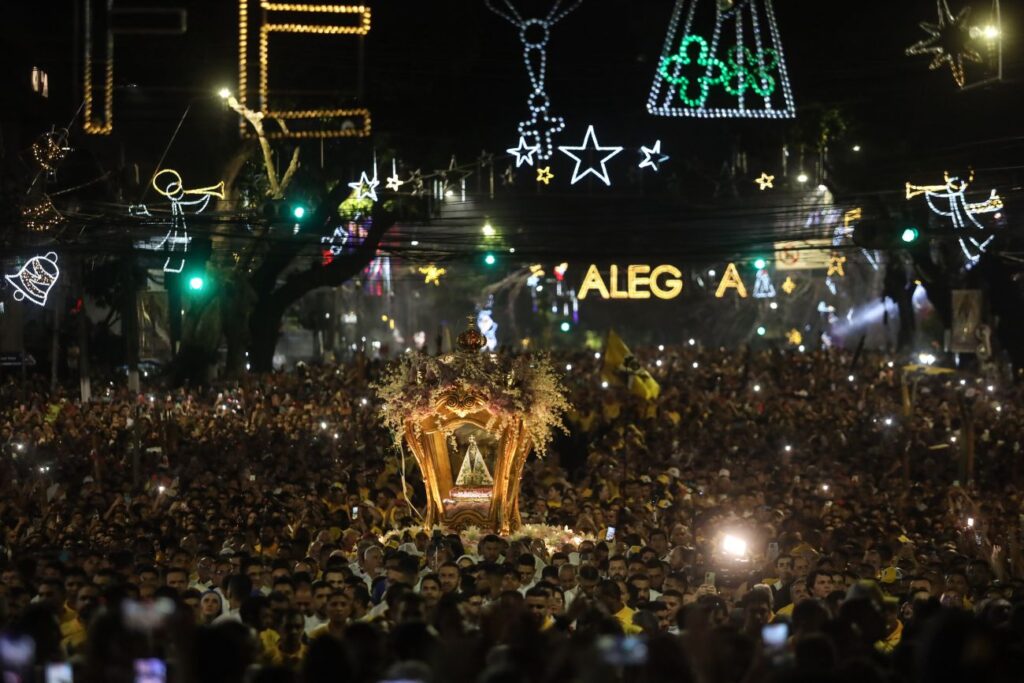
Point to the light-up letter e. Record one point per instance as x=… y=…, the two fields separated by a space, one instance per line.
x=257 y=20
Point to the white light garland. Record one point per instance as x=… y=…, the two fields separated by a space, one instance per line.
x=691 y=78
x=949 y=200
x=763 y=287
x=541 y=125
x=653 y=156
x=590 y=144
x=168 y=183
x=336 y=242
x=35 y=279
x=366 y=187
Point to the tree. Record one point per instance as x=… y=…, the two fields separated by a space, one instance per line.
x=257 y=281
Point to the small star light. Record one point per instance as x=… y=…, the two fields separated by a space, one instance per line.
x=393 y=183
x=523 y=152
x=365 y=187
x=835 y=266
x=765 y=182
x=432 y=274
x=590 y=144
x=788 y=286
x=544 y=175
x=794 y=337
x=947 y=41
x=653 y=156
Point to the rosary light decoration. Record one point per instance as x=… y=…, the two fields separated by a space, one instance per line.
x=590 y=144
x=739 y=72
x=35 y=279
x=534 y=34
x=168 y=183
x=949 y=200
x=948 y=41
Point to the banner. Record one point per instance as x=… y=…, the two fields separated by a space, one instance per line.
x=803 y=254
x=621 y=367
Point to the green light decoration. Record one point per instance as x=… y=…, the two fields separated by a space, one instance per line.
x=196 y=283
x=909 y=235
x=737 y=81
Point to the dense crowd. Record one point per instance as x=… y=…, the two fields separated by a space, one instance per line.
x=770 y=516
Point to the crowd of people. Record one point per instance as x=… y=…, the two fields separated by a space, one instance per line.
x=769 y=516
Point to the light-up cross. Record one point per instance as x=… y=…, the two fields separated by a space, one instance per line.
x=534 y=34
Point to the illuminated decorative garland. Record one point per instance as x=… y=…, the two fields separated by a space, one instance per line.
x=41 y=217
x=544 y=175
x=336 y=242
x=431 y=274
x=652 y=156
x=959 y=211
x=523 y=152
x=763 y=287
x=541 y=125
x=172 y=187
x=35 y=279
x=948 y=41
x=765 y=182
x=361 y=28
x=835 y=266
x=590 y=144
x=393 y=183
x=693 y=68
x=788 y=286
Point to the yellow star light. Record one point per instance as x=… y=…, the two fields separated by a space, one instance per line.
x=835 y=266
x=788 y=286
x=948 y=42
x=544 y=175
x=795 y=338
x=765 y=181
x=432 y=274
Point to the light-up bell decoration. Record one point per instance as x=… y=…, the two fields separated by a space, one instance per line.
x=35 y=279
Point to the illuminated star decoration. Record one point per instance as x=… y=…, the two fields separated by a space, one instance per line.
x=794 y=337
x=366 y=187
x=947 y=41
x=835 y=266
x=432 y=274
x=653 y=156
x=765 y=182
x=336 y=242
x=508 y=177
x=590 y=144
x=416 y=180
x=523 y=152
x=788 y=286
x=544 y=175
x=393 y=183
x=451 y=175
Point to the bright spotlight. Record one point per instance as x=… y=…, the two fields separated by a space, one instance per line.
x=734 y=545
x=224 y=93
x=802 y=178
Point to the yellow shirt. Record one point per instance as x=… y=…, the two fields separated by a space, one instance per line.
x=73 y=634
x=786 y=611
x=625 y=617
x=275 y=657
x=889 y=643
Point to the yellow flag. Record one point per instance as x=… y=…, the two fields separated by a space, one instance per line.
x=621 y=367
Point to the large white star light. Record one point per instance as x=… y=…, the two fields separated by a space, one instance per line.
x=590 y=144
x=366 y=187
x=653 y=156
x=523 y=152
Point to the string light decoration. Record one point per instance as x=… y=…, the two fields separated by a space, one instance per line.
x=393 y=182
x=431 y=274
x=590 y=144
x=763 y=287
x=534 y=34
x=731 y=280
x=949 y=200
x=49 y=150
x=709 y=79
x=93 y=122
x=35 y=279
x=544 y=175
x=416 y=180
x=41 y=217
x=366 y=187
x=168 y=183
x=336 y=241
x=266 y=26
x=765 y=182
x=788 y=286
x=794 y=337
x=948 y=41
x=835 y=266
x=523 y=152
x=653 y=156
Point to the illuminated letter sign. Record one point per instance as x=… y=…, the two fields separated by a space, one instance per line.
x=310 y=20
x=641 y=282
x=731 y=280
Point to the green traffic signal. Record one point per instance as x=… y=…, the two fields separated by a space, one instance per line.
x=298 y=212
x=909 y=235
x=490 y=259
x=196 y=283
x=565 y=326
x=760 y=263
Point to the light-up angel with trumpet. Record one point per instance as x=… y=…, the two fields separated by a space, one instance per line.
x=949 y=199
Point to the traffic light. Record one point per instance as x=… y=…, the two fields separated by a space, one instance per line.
x=565 y=326
x=287 y=211
x=196 y=282
x=760 y=263
x=193 y=276
x=298 y=212
x=885 y=233
x=490 y=259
